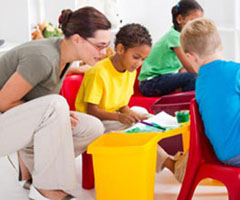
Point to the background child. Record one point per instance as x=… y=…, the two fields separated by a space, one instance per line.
x=217 y=89
x=108 y=86
x=159 y=73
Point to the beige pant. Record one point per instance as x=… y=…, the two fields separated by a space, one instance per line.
x=111 y=125
x=41 y=128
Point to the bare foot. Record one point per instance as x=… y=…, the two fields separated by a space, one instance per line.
x=25 y=174
x=170 y=164
x=53 y=194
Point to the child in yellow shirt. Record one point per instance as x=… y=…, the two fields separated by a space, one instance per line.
x=108 y=86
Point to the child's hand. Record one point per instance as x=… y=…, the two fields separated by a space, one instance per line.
x=126 y=118
x=138 y=117
x=143 y=117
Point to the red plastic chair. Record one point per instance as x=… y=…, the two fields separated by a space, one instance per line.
x=69 y=90
x=138 y=99
x=203 y=163
x=173 y=102
x=70 y=87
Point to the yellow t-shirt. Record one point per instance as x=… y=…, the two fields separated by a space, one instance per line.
x=105 y=86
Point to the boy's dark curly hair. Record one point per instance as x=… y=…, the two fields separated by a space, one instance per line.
x=132 y=35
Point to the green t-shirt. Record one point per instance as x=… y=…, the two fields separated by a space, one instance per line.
x=162 y=59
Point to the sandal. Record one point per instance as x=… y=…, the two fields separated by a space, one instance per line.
x=26 y=184
x=34 y=194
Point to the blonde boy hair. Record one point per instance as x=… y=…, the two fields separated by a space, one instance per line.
x=200 y=36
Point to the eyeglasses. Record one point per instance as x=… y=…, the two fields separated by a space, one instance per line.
x=98 y=46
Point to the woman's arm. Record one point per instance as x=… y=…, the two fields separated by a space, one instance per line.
x=187 y=64
x=12 y=92
x=124 y=118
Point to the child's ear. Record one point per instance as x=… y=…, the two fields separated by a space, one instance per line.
x=191 y=56
x=179 y=19
x=120 y=49
x=194 y=58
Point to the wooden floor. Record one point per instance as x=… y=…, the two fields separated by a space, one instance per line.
x=166 y=187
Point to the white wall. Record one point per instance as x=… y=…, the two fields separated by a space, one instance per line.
x=154 y=14
x=53 y=9
x=14 y=20
x=17 y=18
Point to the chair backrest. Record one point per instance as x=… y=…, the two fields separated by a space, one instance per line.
x=200 y=148
x=70 y=87
x=173 y=102
x=136 y=84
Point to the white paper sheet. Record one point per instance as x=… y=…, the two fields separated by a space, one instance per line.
x=162 y=118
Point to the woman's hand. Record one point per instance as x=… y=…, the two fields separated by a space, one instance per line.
x=74 y=119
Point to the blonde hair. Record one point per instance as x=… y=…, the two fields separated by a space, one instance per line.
x=201 y=37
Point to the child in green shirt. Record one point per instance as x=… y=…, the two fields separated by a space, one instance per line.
x=160 y=71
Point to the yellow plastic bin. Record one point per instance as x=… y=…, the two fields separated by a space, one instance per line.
x=124 y=165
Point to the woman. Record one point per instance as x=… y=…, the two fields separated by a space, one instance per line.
x=34 y=118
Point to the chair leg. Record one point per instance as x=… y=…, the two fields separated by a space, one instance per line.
x=186 y=193
x=189 y=185
x=233 y=191
x=87 y=171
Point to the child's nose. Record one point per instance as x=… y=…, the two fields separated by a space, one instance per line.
x=140 y=62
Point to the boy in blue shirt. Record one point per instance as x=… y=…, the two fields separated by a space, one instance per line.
x=217 y=89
